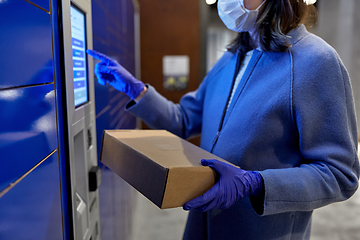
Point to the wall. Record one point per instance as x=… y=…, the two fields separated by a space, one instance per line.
x=169 y=28
x=339 y=25
x=30 y=201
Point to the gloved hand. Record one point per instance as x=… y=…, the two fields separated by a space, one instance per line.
x=233 y=185
x=109 y=70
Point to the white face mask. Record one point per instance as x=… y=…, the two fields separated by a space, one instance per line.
x=236 y=17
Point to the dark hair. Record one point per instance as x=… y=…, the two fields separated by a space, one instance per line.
x=275 y=21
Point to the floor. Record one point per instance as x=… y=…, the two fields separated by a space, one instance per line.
x=151 y=223
x=339 y=221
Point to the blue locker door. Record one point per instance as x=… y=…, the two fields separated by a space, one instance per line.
x=31 y=210
x=25 y=45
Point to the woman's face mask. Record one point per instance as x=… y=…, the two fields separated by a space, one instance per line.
x=252 y=4
x=236 y=17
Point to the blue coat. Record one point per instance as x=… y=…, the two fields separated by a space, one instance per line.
x=292 y=119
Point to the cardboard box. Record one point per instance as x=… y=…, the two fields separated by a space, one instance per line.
x=163 y=167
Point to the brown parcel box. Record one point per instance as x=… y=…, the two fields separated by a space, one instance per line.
x=163 y=167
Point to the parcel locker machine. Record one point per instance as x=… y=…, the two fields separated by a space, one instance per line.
x=76 y=119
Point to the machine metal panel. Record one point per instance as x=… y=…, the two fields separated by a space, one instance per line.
x=27 y=129
x=79 y=153
x=25 y=42
x=32 y=208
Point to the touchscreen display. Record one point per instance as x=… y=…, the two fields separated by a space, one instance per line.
x=79 y=56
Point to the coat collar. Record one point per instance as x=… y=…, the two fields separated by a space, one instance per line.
x=297 y=34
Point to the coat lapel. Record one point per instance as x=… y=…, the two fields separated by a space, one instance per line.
x=245 y=78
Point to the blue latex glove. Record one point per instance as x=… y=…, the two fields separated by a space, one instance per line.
x=233 y=185
x=109 y=70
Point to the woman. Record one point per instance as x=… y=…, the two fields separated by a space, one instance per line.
x=288 y=123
